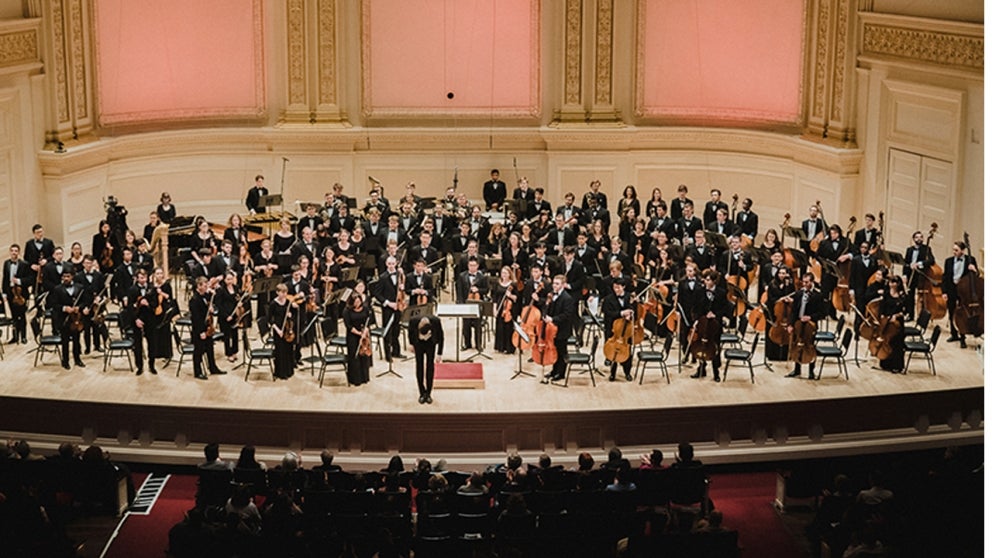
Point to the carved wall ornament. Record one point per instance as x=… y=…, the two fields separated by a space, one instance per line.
x=297 y=51
x=604 y=52
x=18 y=47
x=924 y=46
x=573 y=52
x=326 y=52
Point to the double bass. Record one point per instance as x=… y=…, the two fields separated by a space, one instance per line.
x=841 y=297
x=544 y=351
x=930 y=290
x=969 y=315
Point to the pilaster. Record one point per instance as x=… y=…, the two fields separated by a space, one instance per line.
x=312 y=65
x=68 y=60
x=830 y=86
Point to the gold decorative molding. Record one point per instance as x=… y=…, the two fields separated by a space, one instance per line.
x=18 y=47
x=297 y=53
x=817 y=117
x=604 y=52
x=78 y=62
x=573 y=53
x=327 y=52
x=840 y=59
x=923 y=45
x=58 y=65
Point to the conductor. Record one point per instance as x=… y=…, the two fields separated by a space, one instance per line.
x=427 y=339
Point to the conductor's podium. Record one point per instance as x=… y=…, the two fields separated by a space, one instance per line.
x=458 y=375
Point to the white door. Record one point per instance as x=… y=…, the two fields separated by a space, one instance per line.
x=919 y=193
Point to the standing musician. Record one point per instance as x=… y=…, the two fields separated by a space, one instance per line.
x=592 y=211
x=387 y=290
x=834 y=249
x=343 y=221
x=427 y=340
x=863 y=268
x=769 y=271
x=69 y=303
x=52 y=271
x=661 y=223
x=283 y=325
x=812 y=227
x=37 y=251
x=308 y=246
x=569 y=210
x=344 y=251
x=265 y=266
x=619 y=305
x=629 y=201
x=227 y=301
x=375 y=234
x=105 y=247
x=202 y=237
x=560 y=311
x=93 y=281
x=893 y=306
x=868 y=234
x=721 y=224
x=778 y=288
x=595 y=194
x=689 y=288
x=679 y=202
x=616 y=254
x=493 y=192
x=713 y=206
x=17 y=274
x=701 y=253
x=299 y=289
x=746 y=220
x=203 y=344
x=560 y=236
x=523 y=190
x=140 y=302
x=735 y=265
x=505 y=298
x=236 y=232
x=574 y=272
x=311 y=220
x=538 y=205
x=919 y=257
x=688 y=224
x=472 y=285
x=419 y=284
x=358 y=318
x=954 y=268
x=123 y=276
x=424 y=251
x=255 y=194
x=165 y=308
x=807 y=306
x=711 y=302
x=376 y=201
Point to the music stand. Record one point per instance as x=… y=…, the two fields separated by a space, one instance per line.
x=493 y=265
x=270 y=200
x=485 y=312
x=457 y=311
x=349 y=274
x=265 y=285
x=520 y=353
x=385 y=333
x=719 y=241
x=517 y=206
x=313 y=359
x=285 y=261
x=830 y=267
x=794 y=232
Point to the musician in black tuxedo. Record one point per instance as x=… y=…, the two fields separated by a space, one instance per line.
x=808 y=305
x=595 y=212
x=618 y=305
x=51 y=273
x=687 y=225
x=343 y=221
x=307 y=246
x=140 y=304
x=203 y=344
x=703 y=254
x=424 y=251
x=93 y=281
x=711 y=302
x=38 y=250
x=955 y=267
x=813 y=226
x=617 y=254
x=67 y=300
x=834 y=249
x=17 y=273
x=560 y=311
x=208 y=266
x=689 y=288
x=594 y=195
x=493 y=192
x=419 y=283
x=574 y=272
x=560 y=236
x=569 y=210
x=523 y=191
x=679 y=202
x=715 y=204
x=427 y=340
x=747 y=220
x=586 y=253
x=124 y=275
x=863 y=268
x=309 y=221
x=536 y=289
x=918 y=257
x=255 y=194
x=869 y=233
x=661 y=223
x=386 y=292
x=538 y=205
x=472 y=284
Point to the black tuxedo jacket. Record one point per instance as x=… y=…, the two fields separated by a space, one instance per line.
x=562 y=312
x=464 y=284
x=702 y=304
x=815 y=306
x=61 y=298
x=709 y=212
x=948 y=285
x=747 y=223
x=32 y=253
x=612 y=308
x=437 y=335
x=24 y=273
x=494 y=192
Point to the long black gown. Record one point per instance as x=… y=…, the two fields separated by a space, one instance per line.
x=160 y=338
x=285 y=353
x=504 y=329
x=358 y=367
x=891 y=306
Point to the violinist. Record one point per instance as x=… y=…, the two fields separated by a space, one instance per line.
x=702 y=254
x=68 y=299
x=494 y=191
x=227 y=300
x=616 y=254
x=619 y=305
x=778 y=288
x=207 y=266
x=660 y=222
x=807 y=306
x=165 y=308
x=919 y=257
x=893 y=307
x=140 y=303
x=201 y=238
x=227 y=260
x=265 y=266
x=17 y=275
x=514 y=254
x=37 y=251
x=711 y=302
x=688 y=224
x=283 y=328
x=386 y=292
x=236 y=231
x=480 y=225
x=92 y=280
x=506 y=296
x=309 y=221
x=424 y=251
x=300 y=289
x=863 y=268
x=869 y=233
x=344 y=251
x=746 y=221
x=203 y=344
x=834 y=249
x=569 y=211
x=560 y=311
x=560 y=236
x=419 y=284
x=105 y=247
x=358 y=318
x=472 y=285
x=955 y=267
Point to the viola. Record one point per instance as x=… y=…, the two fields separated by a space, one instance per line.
x=704 y=339
x=969 y=316
x=365 y=343
x=801 y=347
x=17 y=297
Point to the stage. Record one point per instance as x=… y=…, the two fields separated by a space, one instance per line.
x=168 y=418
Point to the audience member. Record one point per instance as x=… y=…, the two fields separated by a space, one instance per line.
x=327 y=462
x=653 y=460
x=212 y=460
x=247 y=460
x=686 y=457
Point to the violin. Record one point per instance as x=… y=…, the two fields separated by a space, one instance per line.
x=17 y=297
x=106 y=256
x=365 y=341
x=211 y=329
x=704 y=339
x=801 y=347
x=930 y=290
x=76 y=318
x=507 y=313
x=162 y=297
x=288 y=335
x=969 y=316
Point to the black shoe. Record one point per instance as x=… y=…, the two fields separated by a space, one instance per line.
x=399 y=356
x=428 y=400
x=627 y=376
x=98 y=349
x=65 y=365
x=200 y=376
x=217 y=372
x=963 y=344
x=811 y=376
x=793 y=374
x=953 y=338
x=87 y=351
x=698 y=374
x=24 y=340
x=423 y=399
x=80 y=364
x=613 y=378
x=153 y=372
x=139 y=372
x=716 y=379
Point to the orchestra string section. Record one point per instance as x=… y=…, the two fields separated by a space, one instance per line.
x=519 y=273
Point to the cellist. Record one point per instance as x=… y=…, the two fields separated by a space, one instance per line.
x=954 y=268
x=689 y=289
x=893 y=307
x=712 y=303
x=834 y=249
x=561 y=312
x=619 y=305
x=735 y=265
x=807 y=307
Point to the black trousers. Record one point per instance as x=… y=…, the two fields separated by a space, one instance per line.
x=392 y=338
x=67 y=336
x=626 y=365
x=92 y=334
x=230 y=338
x=561 y=345
x=19 y=315
x=138 y=335
x=425 y=366
x=470 y=325
x=201 y=348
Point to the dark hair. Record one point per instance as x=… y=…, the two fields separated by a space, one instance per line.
x=686 y=452
x=247 y=458
x=657 y=457
x=585 y=461
x=395 y=464
x=211 y=451
x=326 y=457
x=544 y=461
x=539 y=191
x=494 y=171
x=514 y=461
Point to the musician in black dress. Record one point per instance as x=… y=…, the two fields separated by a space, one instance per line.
x=227 y=299
x=299 y=289
x=140 y=302
x=69 y=300
x=17 y=273
x=893 y=307
x=254 y=195
x=165 y=308
x=619 y=305
x=779 y=287
x=105 y=248
x=203 y=344
x=357 y=321
x=166 y=211
x=280 y=312
x=955 y=267
x=863 y=268
x=472 y=285
x=427 y=340
x=710 y=302
x=505 y=297
x=807 y=306
x=560 y=311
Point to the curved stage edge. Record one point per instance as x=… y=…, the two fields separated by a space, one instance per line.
x=729 y=433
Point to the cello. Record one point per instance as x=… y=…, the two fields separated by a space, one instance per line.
x=617 y=347
x=544 y=351
x=781 y=313
x=704 y=339
x=969 y=315
x=801 y=347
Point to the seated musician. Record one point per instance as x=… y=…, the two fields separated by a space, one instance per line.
x=408 y=218
x=424 y=251
x=376 y=201
x=472 y=251
x=711 y=302
x=616 y=254
x=595 y=212
x=688 y=224
x=619 y=305
x=721 y=225
x=540 y=260
x=344 y=251
x=660 y=222
x=746 y=221
x=310 y=220
x=702 y=254
x=472 y=285
x=807 y=306
x=283 y=240
x=561 y=236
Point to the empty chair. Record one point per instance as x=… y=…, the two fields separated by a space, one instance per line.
x=839 y=353
x=582 y=359
x=923 y=348
x=121 y=347
x=185 y=349
x=830 y=336
x=253 y=354
x=741 y=355
x=916 y=332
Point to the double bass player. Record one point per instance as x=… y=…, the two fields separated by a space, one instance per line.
x=807 y=306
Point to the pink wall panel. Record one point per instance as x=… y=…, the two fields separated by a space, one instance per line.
x=719 y=59
x=483 y=51
x=178 y=59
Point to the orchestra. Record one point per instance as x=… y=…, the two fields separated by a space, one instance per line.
x=510 y=251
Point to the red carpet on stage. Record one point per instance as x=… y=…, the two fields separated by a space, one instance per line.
x=459 y=375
